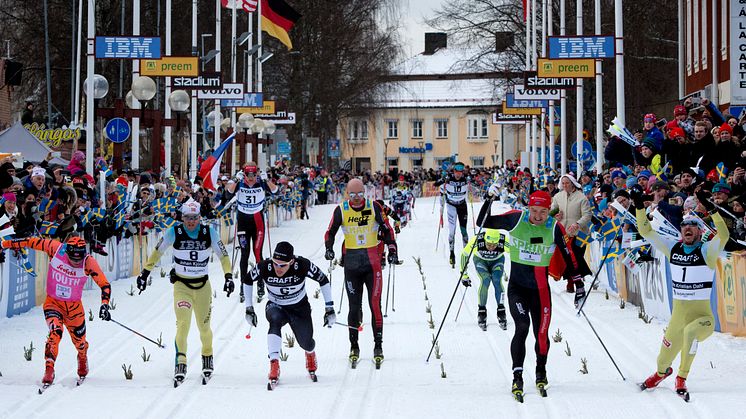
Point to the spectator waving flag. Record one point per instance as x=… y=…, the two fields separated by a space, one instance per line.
x=617 y=129
x=210 y=169
x=247 y=5
x=48 y=228
x=722 y=172
x=46 y=205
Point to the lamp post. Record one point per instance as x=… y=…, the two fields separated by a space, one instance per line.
x=386 y=155
x=494 y=156
x=421 y=144
x=100 y=90
x=143 y=89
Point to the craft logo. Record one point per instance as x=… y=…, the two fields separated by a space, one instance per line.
x=52 y=137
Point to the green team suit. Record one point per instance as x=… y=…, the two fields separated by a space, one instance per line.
x=489 y=265
x=691 y=279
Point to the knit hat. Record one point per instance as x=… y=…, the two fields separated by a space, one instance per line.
x=618 y=173
x=9 y=196
x=649 y=143
x=679 y=110
x=726 y=127
x=676 y=132
x=645 y=173
x=631 y=181
x=283 y=252
x=540 y=199
x=190 y=207
x=650 y=116
x=38 y=171
x=660 y=185
x=721 y=187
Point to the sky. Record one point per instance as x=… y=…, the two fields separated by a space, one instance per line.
x=413 y=27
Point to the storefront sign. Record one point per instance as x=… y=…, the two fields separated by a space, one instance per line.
x=127 y=47
x=170 y=66
x=405 y=150
x=521 y=92
x=268 y=107
x=583 y=69
x=513 y=102
x=52 y=137
x=581 y=46
x=248 y=100
x=737 y=52
x=532 y=81
x=521 y=111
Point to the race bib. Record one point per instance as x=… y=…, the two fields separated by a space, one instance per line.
x=529 y=256
x=361 y=239
x=63 y=291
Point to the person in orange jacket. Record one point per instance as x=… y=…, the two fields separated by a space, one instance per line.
x=70 y=265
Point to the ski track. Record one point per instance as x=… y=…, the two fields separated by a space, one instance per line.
x=478 y=363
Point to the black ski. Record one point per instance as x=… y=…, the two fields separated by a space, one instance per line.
x=684 y=394
x=542 y=389
x=206 y=378
x=378 y=361
x=178 y=381
x=353 y=361
x=312 y=376
x=518 y=395
x=44 y=387
x=271 y=384
x=483 y=326
x=79 y=381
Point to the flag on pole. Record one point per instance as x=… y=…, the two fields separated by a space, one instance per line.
x=277 y=20
x=247 y=5
x=210 y=169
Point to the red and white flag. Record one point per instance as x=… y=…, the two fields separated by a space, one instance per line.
x=248 y=5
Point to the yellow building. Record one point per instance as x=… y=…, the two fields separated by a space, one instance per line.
x=430 y=112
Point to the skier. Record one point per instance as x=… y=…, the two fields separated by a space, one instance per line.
x=285 y=277
x=692 y=266
x=251 y=196
x=456 y=186
x=70 y=265
x=361 y=221
x=534 y=236
x=489 y=262
x=192 y=244
x=400 y=199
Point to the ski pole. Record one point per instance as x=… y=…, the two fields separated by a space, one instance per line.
x=388 y=291
x=473 y=218
x=138 y=334
x=248 y=335
x=460 y=305
x=393 y=291
x=455 y=290
x=595 y=278
x=359 y=328
x=269 y=238
x=435 y=198
x=604 y=346
x=440 y=226
x=342 y=297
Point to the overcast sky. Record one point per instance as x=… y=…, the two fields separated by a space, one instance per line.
x=413 y=28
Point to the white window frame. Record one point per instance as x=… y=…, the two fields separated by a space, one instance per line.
x=441 y=128
x=352 y=130
x=724 y=22
x=477 y=162
x=363 y=129
x=705 y=45
x=392 y=128
x=417 y=128
x=689 y=42
x=695 y=33
x=477 y=127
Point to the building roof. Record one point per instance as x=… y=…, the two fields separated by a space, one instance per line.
x=433 y=89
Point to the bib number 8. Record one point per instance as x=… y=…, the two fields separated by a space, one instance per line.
x=193 y=255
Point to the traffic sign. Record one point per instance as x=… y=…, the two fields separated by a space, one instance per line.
x=117 y=130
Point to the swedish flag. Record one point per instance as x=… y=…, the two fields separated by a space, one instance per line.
x=98 y=213
x=611 y=226
x=583 y=239
x=47 y=205
x=48 y=228
x=722 y=172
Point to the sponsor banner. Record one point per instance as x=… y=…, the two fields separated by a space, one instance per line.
x=737 y=54
x=170 y=66
x=531 y=80
x=506 y=119
x=278 y=118
x=268 y=107
x=127 y=47
x=585 y=46
x=53 y=137
x=227 y=91
x=520 y=111
x=248 y=100
x=731 y=294
x=582 y=69
x=125 y=259
x=520 y=92
x=203 y=81
x=513 y=102
x=21 y=287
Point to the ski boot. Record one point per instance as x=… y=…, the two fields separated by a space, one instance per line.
x=655 y=379
x=311 y=365
x=501 y=319
x=354 y=355
x=482 y=317
x=517 y=388
x=681 y=389
x=274 y=374
x=179 y=374
x=82 y=364
x=207 y=368
x=48 y=378
x=541 y=382
x=452 y=259
x=378 y=355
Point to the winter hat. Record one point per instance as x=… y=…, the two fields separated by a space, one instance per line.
x=78 y=156
x=676 y=132
x=679 y=110
x=672 y=124
x=660 y=185
x=726 y=127
x=38 y=171
x=190 y=207
x=618 y=173
x=631 y=181
x=645 y=173
x=9 y=196
x=650 y=117
x=649 y=143
x=540 y=199
x=283 y=252
x=721 y=187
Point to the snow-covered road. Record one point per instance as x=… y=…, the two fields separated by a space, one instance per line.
x=477 y=363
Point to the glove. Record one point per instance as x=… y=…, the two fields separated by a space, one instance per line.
x=250 y=316
x=103 y=312
x=330 y=317
x=229 y=286
x=579 y=290
x=142 y=280
x=397 y=228
x=636 y=194
x=702 y=198
x=393 y=258
x=494 y=190
x=465 y=280
x=329 y=255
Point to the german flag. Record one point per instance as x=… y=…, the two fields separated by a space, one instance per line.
x=277 y=20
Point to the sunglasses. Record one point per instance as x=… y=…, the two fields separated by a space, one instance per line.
x=689 y=223
x=190 y=217
x=356 y=194
x=280 y=265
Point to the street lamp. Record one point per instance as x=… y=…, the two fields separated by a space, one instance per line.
x=179 y=101
x=100 y=90
x=422 y=154
x=386 y=155
x=494 y=156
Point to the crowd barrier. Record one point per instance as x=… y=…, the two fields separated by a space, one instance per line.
x=650 y=287
x=21 y=291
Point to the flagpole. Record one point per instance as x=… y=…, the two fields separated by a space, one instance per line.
x=619 y=35
x=89 y=132
x=579 y=98
x=550 y=32
x=168 y=130
x=527 y=20
x=78 y=64
x=135 y=103
x=563 y=103
x=193 y=143
x=233 y=79
x=534 y=39
x=599 y=96
x=218 y=59
x=259 y=74
x=543 y=156
x=249 y=78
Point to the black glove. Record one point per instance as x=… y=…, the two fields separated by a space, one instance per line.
x=579 y=291
x=103 y=312
x=465 y=280
x=250 y=316
x=229 y=286
x=397 y=229
x=702 y=198
x=330 y=317
x=636 y=194
x=142 y=280
x=329 y=255
x=393 y=258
